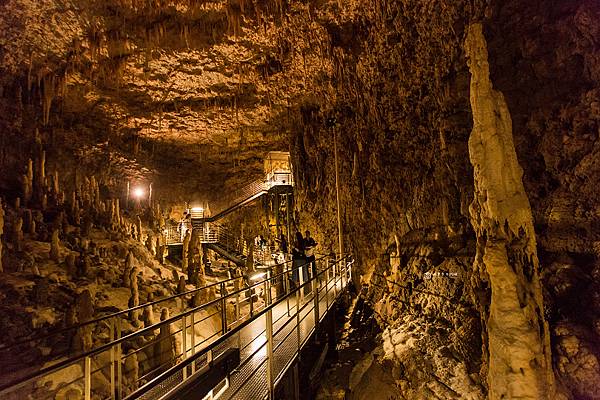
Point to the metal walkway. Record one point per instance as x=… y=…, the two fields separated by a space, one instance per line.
x=265 y=323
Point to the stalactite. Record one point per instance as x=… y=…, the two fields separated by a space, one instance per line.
x=48 y=81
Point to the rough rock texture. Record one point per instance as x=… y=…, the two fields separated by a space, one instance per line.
x=190 y=94
x=518 y=337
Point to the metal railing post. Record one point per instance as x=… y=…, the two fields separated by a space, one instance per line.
x=184 y=342
x=315 y=289
x=287 y=288
x=118 y=355
x=334 y=280
x=223 y=309
x=113 y=361
x=298 y=320
x=343 y=272
x=269 y=331
x=237 y=306
x=87 y=374
x=193 y=331
x=327 y=289
x=301 y=282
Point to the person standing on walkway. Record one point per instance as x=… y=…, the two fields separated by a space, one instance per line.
x=298 y=258
x=283 y=245
x=309 y=248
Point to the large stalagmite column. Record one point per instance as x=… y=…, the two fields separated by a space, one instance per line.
x=519 y=351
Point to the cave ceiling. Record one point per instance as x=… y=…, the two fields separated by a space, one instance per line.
x=168 y=89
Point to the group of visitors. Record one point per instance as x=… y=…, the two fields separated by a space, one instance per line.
x=302 y=251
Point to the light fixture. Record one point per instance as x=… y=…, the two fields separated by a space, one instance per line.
x=138 y=192
x=197 y=209
x=258 y=276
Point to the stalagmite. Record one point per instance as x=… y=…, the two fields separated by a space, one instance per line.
x=118 y=212
x=148 y=314
x=519 y=352
x=185 y=251
x=129 y=265
x=55 y=246
x=150 y=244
x=28 y=183
x=84 y=310
x=55 y=185
x=134 y=299
x=131 y=368
x=181 y=285
x=83 y=267
x=40 y=178
x=71 y=264
x=166 y=347
x=1 y=233
x=17 y=234
x=139 y=229
x=160 y=250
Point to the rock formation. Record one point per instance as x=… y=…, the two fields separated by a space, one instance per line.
x=84 y=311
x=55 y=246
x=518 y=337
x=165 y=348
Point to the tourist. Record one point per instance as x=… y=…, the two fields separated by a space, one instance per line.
x=298 y=257
x=309 y=248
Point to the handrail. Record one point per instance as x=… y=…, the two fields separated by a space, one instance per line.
x=238 y=196
x=189 y=360
x=119 y=313
x=70 y=361
x=115 y=314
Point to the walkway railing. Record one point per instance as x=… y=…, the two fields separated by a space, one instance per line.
x=239 y=197
x=266 y=319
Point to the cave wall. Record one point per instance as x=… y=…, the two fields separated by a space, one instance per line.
x=399 y=92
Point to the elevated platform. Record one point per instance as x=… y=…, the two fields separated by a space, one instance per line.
x=259 y=335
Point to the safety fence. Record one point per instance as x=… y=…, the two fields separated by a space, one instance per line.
x=267 y=317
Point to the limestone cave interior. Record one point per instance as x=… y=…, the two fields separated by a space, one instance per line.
x=158 y=159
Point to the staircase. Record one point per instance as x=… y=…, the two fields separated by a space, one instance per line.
x=238 y=198
x=217 y=237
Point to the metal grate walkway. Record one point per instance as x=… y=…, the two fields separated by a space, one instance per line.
x=268 y=321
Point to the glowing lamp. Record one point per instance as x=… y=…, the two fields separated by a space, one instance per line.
x=197 y=209
x=138 y=192
x=258 y=276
